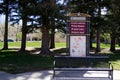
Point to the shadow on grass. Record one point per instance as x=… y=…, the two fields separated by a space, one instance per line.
x=115 y=56
x=60 y=51
x=14 y=61
x=34 y=50
x=19 y=62
x=115 y=59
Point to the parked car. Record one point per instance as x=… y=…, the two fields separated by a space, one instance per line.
x=1 y=41
x=10 y=40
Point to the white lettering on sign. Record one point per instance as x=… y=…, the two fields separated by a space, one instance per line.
x=78 y=27
x=78 y=18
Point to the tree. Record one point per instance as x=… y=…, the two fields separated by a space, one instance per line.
x=57 y=21
x=52 y=34
x=93 y=8
x=112 y=30
x=116 y=12
x=98 y=20
x=5 y=8
x=45 y=14
x=22 y=10
x=46 y=10
x=113 y=22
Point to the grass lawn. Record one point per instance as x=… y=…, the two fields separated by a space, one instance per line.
x=18 y=44
x=17 y=62
x=115 y=59
x=105 y=45
x=30 y=44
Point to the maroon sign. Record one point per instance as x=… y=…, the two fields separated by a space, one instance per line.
x=78 y=28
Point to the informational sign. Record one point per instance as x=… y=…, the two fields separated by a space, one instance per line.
x=78 y=34
x=78 y=28
x=78 y=46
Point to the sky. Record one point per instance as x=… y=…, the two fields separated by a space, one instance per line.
x=60 y=1
x=2 y=19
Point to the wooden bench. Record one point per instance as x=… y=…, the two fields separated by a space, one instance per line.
x=88 y=63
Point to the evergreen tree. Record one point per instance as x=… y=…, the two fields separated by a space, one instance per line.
x=22 y=10
x=5 y=9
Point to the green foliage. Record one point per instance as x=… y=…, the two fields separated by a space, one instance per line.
x=112 y=18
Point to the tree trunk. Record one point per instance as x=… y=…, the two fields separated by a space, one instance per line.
x=52 y=39
x=52 y=35
x=118 y=41
x=45 y=41
x=23 y=42
x=112 y=45
x=98 y=42
x=91 y=35
x=6 y=28
x=98 y=30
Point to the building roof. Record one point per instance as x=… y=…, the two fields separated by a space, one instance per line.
x=79 y=15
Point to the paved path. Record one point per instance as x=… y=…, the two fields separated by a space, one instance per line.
x=47 y=75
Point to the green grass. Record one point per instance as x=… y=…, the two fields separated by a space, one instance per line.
x=30 y=44
x=17 y=62
x=18 y=44
x=60 y=44
x=105 y=45
x=115 y=59
x=38 y=44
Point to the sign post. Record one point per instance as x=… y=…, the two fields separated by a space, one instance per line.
x=78 y=34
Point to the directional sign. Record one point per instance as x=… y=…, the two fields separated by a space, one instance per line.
x=78 y=28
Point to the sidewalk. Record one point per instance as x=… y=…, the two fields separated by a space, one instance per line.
x=44 y=75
